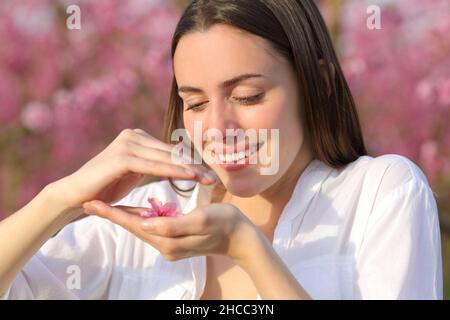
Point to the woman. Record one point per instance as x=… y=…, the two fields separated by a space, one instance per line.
x=331 y=222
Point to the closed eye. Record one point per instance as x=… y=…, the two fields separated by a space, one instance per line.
x=242 y=100
x=195 y=107
x=249 y=100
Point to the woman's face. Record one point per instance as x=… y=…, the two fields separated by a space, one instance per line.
x=232 y=79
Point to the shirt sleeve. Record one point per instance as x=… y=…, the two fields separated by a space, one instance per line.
x=77 y=263
x=400 y=255
x=74 y=264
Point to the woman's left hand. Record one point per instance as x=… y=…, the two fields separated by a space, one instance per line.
x=215 y=229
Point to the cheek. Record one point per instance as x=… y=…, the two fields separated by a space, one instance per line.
x=195 y=126
x=281 y=112
x=288 y=118
x=190 y=122
x=269 y=115
x=189 y=127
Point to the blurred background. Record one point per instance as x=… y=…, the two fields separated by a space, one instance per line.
x=65 y=94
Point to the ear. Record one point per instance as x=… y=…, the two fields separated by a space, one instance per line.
x=328 y=72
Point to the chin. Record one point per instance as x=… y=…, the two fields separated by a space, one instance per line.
x=242 y=190
x=244 y=187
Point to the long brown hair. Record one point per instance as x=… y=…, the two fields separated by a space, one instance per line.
x=297 y=31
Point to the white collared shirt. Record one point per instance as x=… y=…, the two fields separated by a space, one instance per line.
x=367 y=231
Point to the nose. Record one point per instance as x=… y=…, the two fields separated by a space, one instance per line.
x=220 y=117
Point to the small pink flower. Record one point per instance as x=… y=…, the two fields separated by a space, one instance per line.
x=158 y=210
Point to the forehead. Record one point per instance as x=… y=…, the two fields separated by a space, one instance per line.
x=221 y=52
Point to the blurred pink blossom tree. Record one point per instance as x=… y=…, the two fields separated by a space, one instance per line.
x=400 y=77
x=65 y=94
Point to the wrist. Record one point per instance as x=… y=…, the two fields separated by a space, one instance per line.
x=55 y=195
x=253 y=248
x=59 y=194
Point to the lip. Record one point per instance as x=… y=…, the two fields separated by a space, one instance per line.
x=239 y=165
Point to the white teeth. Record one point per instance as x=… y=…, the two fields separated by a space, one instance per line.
x=233 y=157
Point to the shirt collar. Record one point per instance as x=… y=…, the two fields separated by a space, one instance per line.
x=201 y=196
x=308 y=184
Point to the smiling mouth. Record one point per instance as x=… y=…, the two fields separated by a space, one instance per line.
x=234 y=157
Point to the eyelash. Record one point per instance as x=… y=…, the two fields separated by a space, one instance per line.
x=244 y=101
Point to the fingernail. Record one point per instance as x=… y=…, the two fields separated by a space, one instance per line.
x=209 y=176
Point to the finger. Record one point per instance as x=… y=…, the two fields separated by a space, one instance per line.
x=147 y=140
x=151 y=142
x=127 y=219
x=158 y=168
x=163 y=169
x=165 y=156
x=135 y=211
x=185 y=225
x=180 y=247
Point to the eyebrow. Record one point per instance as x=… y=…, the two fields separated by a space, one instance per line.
x=225 y=84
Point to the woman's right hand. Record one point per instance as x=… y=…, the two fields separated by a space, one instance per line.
x=122 y=166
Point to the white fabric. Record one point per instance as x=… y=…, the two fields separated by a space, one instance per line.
x=367 y=231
